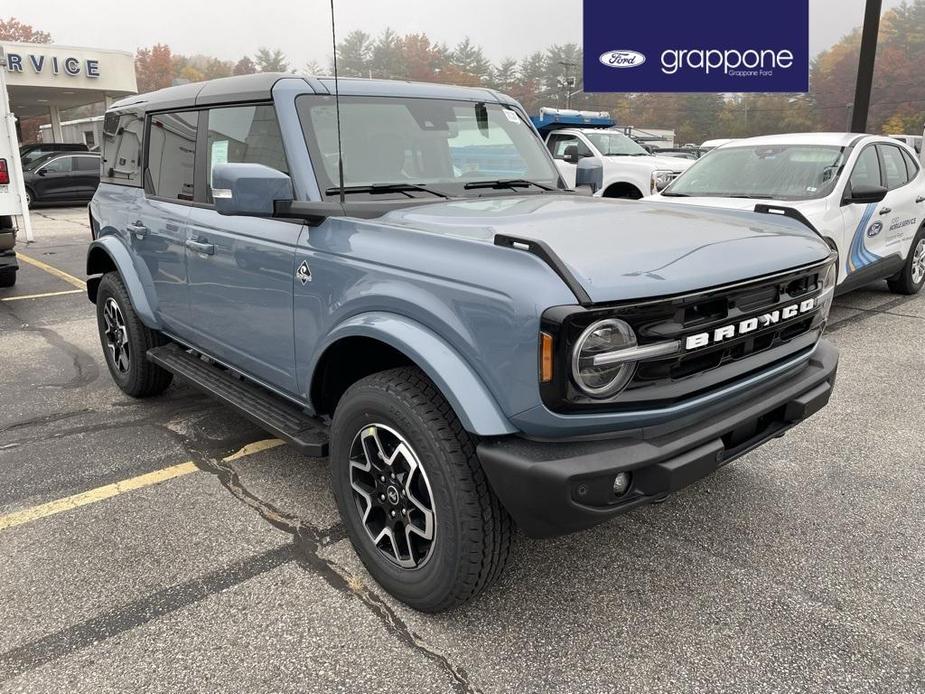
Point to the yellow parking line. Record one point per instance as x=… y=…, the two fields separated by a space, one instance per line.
x=110 y=490
x=42 y=296
x=60 y=274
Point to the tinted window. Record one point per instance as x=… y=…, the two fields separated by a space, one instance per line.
x=894 y=166
x=121 y=148
x=912 y=166
x=172 y=155
x=245 y=134
x=58 y=165
x=87 y=163
x=866 y=169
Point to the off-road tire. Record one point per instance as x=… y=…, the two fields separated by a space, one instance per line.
x=7 y=278
x=472 y=537
x=904 y=282
x=142 y=378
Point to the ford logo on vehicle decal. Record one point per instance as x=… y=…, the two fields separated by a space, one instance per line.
x=874 y=228
x=622 y=59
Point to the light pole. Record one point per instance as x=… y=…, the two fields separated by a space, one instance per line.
x=568 y=82
x=866 y=65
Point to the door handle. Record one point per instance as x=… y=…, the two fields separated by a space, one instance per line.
x=920 y=199
x=200 y=247
x=139 y=229
x=885 y=210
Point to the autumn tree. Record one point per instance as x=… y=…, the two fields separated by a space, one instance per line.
x=154 y=67
x=13 y=30
x=245 y=66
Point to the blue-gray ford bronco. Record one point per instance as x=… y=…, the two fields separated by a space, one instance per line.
x=395 y=277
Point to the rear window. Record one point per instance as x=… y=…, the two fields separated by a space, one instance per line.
x=172 y=155
x=121 y=148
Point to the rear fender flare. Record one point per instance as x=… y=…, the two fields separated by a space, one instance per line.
x=137 y=282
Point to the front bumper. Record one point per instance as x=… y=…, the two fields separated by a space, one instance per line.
x=555 y=488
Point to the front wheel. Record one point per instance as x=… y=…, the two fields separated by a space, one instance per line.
x=910 y=279
x=126 y=341
x=412 y=493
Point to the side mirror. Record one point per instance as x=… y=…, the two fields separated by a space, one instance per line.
x=590 y=173
x=571 y=154
x=863 y=195
x=249 y=189
x=42 y=172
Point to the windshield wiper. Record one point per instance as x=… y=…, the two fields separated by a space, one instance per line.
x=382 y=188
x=675 y=195
x=755 y=196
x=506 y=183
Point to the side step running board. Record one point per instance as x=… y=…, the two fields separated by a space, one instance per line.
x=273 y=413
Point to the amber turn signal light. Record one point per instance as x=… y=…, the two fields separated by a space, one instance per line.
x=545 y=357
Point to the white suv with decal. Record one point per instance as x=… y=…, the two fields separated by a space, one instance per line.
x=864 y=194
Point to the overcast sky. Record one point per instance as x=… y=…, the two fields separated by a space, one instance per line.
x=232 y=28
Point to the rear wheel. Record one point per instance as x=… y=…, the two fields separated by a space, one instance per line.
x=910 y=279
x=7 y=278
x=126 y=341
x=412 y=493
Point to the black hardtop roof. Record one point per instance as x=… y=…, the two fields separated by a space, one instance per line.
x=259 y=87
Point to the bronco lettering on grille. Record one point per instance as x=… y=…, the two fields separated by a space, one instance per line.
x=727 y=332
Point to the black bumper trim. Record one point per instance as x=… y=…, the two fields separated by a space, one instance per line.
x=556 y=488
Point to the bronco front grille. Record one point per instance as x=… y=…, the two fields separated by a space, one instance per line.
x=694 y=370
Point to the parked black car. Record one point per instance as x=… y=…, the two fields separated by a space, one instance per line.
x=62 y=177
x=34 y=152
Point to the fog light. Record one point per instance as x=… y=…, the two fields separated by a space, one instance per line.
x=621 y=483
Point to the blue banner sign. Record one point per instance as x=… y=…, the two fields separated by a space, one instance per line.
x=696 y=46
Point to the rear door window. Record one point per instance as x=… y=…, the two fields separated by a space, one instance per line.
x=171 y=158
x=87 y=163
x=248 y=134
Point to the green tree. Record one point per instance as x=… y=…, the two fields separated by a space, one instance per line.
x=271 y=61
x=387 y=57
x=355 y=54
x=469 y=60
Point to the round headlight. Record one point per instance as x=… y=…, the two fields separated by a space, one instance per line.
x=602 y=379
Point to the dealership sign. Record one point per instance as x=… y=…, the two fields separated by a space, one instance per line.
x=40 y=64
x=706 y=46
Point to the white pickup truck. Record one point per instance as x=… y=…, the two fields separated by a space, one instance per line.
x=12 y=192
x=629 y=171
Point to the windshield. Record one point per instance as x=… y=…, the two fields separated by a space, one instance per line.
x=779 y=172
x=420 y=144
x=615 y=144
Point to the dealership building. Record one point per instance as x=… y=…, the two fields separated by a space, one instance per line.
x=46 y=79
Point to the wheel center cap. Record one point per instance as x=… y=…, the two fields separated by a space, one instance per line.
x=392 y=495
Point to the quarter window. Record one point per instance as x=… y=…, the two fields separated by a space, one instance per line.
x=912 y=166
x=248 y=134
x=894 y=167
x=121 y=148
x=172 y=155
x=866 y=169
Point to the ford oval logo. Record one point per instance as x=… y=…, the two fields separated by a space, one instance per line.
x=622 y=59
x=875 y=229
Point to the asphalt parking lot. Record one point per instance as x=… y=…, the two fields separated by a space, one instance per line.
x=169 y=545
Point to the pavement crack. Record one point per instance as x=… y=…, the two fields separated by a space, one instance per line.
x=866 y=313
x=45 y=419
x=309 y=541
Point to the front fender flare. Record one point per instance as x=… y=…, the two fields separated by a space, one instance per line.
x=128 y=271
x=454 y=377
